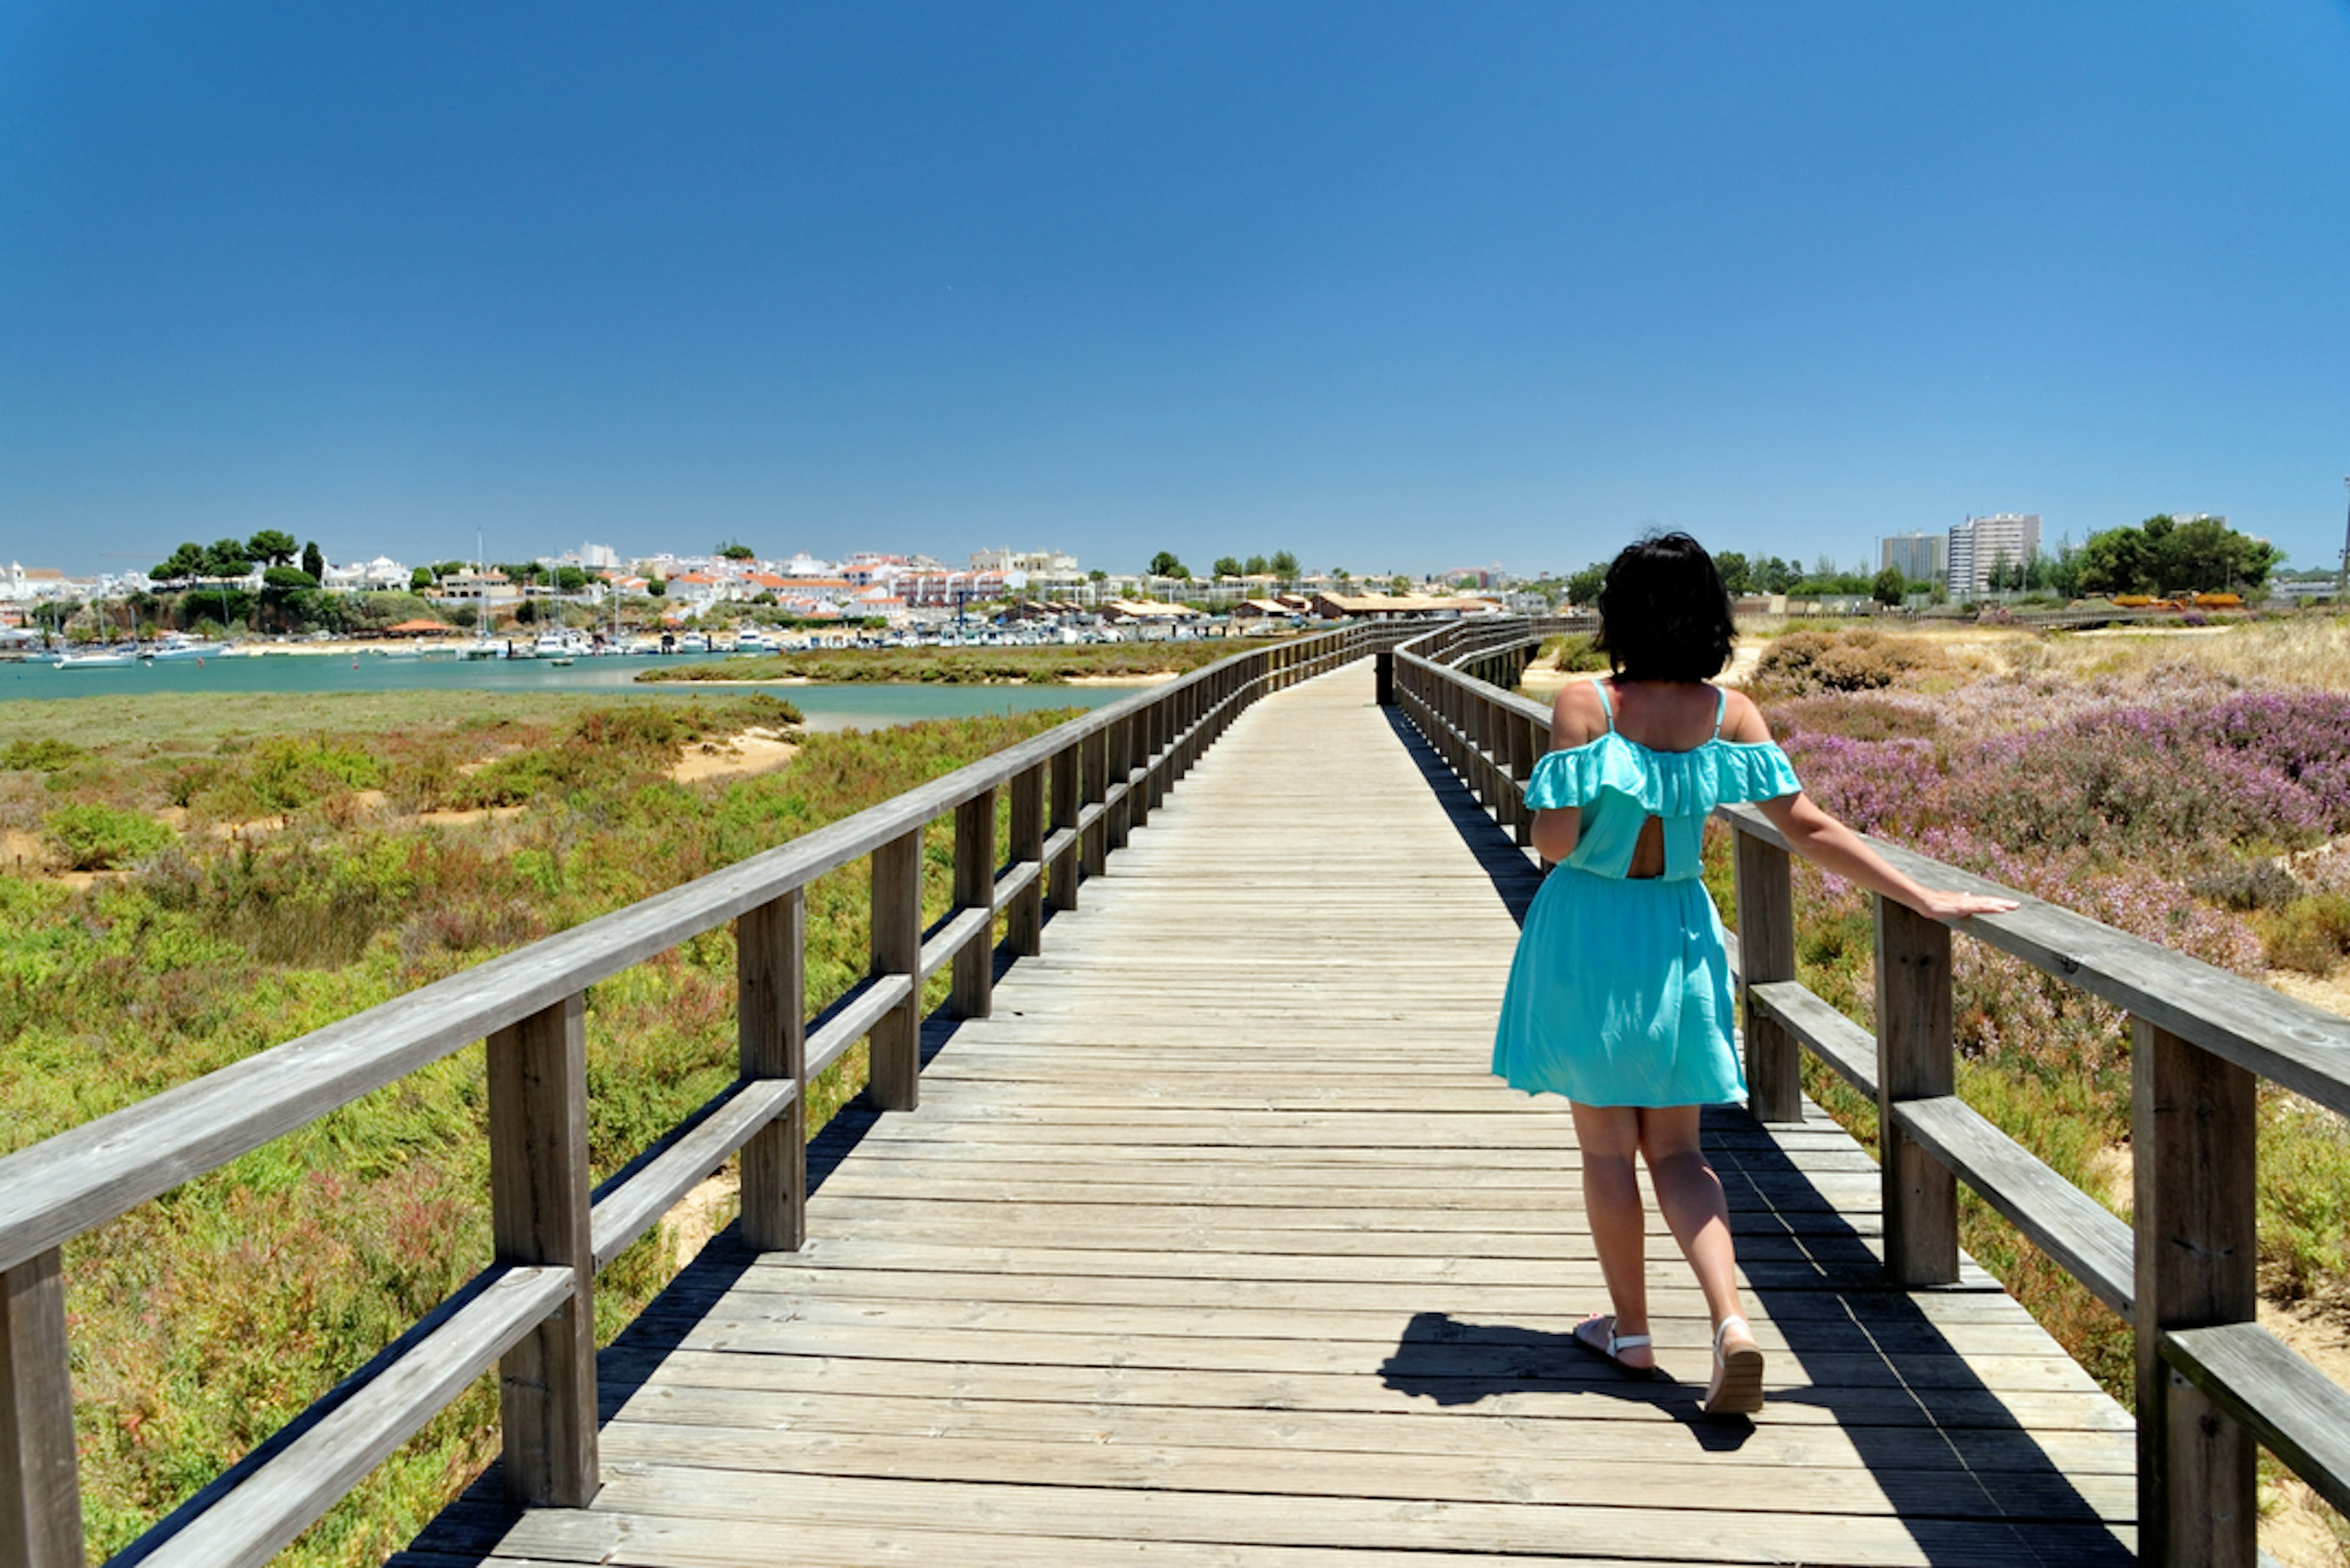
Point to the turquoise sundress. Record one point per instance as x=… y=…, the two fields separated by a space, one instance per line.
x=1619 y=994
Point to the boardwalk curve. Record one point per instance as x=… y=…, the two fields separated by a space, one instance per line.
x=1215 y=1244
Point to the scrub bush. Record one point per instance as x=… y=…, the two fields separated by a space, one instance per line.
x=95 y=836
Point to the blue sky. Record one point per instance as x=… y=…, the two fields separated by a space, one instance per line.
x=1390 y=287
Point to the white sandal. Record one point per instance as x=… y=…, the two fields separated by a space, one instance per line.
x=1611 y=1350
x=1737 y=1386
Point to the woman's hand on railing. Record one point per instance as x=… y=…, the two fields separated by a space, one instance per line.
x=1941 y=904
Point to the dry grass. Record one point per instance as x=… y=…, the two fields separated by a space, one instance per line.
x=2303 y=651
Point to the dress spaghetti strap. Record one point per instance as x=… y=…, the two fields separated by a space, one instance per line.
x=1721 y=707
x=1599 y=685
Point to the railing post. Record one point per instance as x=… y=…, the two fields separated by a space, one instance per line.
x=1157 y=730
x=894 y=1050
x=1766 y=953
x=1024 y=920
x=1095 y=761
x=771 y=1042
x=1383 y=678
x=974 y=888
x=539 y=1215
x=1524 y=751
x=1065 y=806
x=2193 y=1133
x=40 y=1478
x=1915 y=1061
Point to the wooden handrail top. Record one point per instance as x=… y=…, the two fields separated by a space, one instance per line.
x=2306 y=1049
x=54 y=1190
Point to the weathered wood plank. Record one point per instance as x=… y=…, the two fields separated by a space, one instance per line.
x=974 y=894
x=2094 y=1245
x=2295 y=1411
x=632 y=1202
x=271 y=1496
x=2194 y=1133
x=40 y=1481
x=541 y=1214
x=1828 y=1034
x=771 y=1037
x=1915 y=1060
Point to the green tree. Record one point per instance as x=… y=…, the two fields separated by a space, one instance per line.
x=570 y=580
x=1165 y=565
x=2205 y=555
x=657 y=587
x=419 y=579
x=227 y=558
x=186 y=562
x=1399 y=584
x=1284 y=565
x=1228 y=566
x=2117 y=561
x=1582 y=587
x=735 y=550
x=1888 y=587
x=1256 y=566
x=274 y=547
x=313 y=560
x=286 y=579
x=451 y=568
x=1097 y=576
x=1732 y=565
x=2062 y=571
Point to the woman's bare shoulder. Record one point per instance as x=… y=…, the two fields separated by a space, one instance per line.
x=1576 y=714
x=1740 y=719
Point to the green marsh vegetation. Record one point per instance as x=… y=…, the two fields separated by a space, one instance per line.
x=2194 y=791
x=969 y=666
x=253 y=869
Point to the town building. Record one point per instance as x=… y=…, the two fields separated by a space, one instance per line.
x=1028 y=562
x=1918 y=557
x=1978 y=544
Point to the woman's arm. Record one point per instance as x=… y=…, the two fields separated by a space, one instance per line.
x=1576 y=717
x=1816 y=836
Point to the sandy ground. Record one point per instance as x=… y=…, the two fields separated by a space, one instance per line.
x=689 y=1227
x=24 y=853
x=752 y=752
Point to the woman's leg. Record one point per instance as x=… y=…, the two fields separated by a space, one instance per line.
x=1689 y=1193
x=1609 y=1139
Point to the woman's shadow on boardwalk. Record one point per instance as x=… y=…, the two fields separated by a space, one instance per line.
x=1454 y=1363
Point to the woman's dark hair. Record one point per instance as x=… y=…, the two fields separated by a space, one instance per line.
x=1663 y=612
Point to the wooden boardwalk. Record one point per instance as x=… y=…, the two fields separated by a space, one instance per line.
x=1217 y=1244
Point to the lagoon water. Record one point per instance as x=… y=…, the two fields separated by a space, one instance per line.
x=826 y=707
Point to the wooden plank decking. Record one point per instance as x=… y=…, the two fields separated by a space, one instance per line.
x=1216 y=1244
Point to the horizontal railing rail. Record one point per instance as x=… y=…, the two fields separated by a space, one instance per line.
x=2181 y=1272
x=1073 y=795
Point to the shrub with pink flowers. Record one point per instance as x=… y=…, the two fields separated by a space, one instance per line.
x=2173 y=803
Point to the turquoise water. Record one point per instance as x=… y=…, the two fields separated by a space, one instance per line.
x=826 y=707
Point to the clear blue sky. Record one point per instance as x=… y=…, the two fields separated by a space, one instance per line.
x=1392 y=286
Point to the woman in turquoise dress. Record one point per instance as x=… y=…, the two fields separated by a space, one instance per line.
x=1619 y=998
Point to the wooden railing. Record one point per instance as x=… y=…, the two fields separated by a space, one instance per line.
x=1073 y=794
x=2212 y=1384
